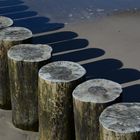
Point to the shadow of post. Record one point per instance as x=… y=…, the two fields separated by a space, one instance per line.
x=22 y=17
x=80 y=55
x=131 y=93
x=7 y=3
x=22 y=14
x=13 y=9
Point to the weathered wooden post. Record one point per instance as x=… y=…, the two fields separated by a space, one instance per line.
x=9 y=37
x=120 y=122
x=24 y=61
x=89 y=100
x=56 y=82
x=5 y=22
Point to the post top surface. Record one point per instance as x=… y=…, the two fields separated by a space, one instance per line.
x=5 y=22
x=30 y=52
x=62 y=71
x=15 y=34
x=97 y=91
x=121 y=118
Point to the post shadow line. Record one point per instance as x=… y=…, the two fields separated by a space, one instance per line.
x=13 y=9
x=109 y=69
x=80 y=55
x=8 y=6
x=43 y=22
x=21 y=15
x=119 y=76
x=131 y=93
x=8 y=3
x=36 y=24
x=54 y=38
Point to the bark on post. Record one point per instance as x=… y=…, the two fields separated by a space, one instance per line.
x=89 y=100
x=24 y=61
x=9 y=37
x=56 y=83
x=5 y=22
x=120 y=122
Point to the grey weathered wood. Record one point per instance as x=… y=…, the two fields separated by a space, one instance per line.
x=5 y=22
x=89 y=100
x=9 y=37
x=24 y=61
x=56 y=82
x=120 y=122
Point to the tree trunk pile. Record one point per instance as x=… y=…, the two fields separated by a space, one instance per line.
x=56 y=82
x=121 y=122
x=5 y=22
x=89 y=100
x=8 y=38
x=25 y=60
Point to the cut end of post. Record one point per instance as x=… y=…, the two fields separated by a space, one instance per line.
x=121 y=118
x=30 y=52
x=15 y=34
x=97 y=91
x=5 y=22
x=62 y=71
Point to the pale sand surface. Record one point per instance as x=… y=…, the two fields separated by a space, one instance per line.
x=9 y=132
x=117 y=35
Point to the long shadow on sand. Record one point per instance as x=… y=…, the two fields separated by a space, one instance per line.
x=38 y=24
x=64 y=41
x=80 y=55
x=6 y=3
x=21 y=15
x=111 y=69
x=12 y=9
x=132 y=93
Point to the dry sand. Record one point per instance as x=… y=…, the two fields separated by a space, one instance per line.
x=9 y=132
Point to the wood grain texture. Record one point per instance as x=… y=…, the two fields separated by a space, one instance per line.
x=120 y=122
x=23 y=73
x=9 y=37
x=89 y=100
x=55 y=99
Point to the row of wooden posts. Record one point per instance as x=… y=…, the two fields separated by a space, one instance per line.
x=57 y=94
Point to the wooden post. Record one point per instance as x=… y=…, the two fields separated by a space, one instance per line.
x=89 y=100
x=25 y=60
x=5 y=22
x=120 y=122
x=56 y=82
x=9 y=37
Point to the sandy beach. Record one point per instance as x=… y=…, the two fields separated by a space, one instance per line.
x=107 y=46
x=9 y=132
